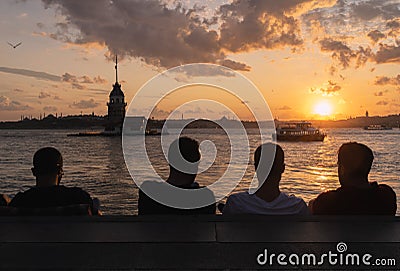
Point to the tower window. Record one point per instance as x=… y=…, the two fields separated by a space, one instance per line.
x=117 y=101
x=112 y=101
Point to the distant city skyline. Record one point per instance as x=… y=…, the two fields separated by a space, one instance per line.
x=310 y=59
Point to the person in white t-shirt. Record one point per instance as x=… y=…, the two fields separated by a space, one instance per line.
x=268 y=199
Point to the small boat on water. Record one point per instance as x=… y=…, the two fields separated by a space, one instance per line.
x=299 y=131
x=377 y=127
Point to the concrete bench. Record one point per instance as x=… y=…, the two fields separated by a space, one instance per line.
x=185 y=242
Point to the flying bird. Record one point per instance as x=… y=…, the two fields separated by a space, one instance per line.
x=14 y=46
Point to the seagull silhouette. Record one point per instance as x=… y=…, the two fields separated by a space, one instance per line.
x=14 y=46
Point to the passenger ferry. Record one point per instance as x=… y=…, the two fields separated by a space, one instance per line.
x=299 y=131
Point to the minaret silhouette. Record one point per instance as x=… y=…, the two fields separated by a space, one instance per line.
x=116 y=68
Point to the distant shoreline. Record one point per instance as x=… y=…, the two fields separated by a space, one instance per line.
x=93 y=122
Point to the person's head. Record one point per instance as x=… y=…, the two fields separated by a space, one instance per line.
x=354 y=163
x=184 y=157
x=264 y=157
x=47 y=166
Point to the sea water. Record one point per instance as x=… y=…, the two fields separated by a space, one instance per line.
x=97 y=163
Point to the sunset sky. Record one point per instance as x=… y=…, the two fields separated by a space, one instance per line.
x=310 y=59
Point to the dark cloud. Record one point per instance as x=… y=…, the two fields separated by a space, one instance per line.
x=376 y=35
x=99 y=91
x=44 y=95
x=382 y=103
x=366 y=11
x=250 y=25
x=145 y=29
x=387 y=54
x=78 y=86
x=378 y=94
x=384 y=80
x=50 y=108
x=394 y=28
x=171 y=35
x=394 y=24
x=332 y=70
x=77 y=81
x=329 y=45
x=183 y=74
x=85 y=104
x=343 y=54
x=285 y=107
x=66 y=77
x=235 y=65
x=99 y=80
x=30 y=73
x=86 y=80
x=373 y=9
x=329 y=89
x=6 y=104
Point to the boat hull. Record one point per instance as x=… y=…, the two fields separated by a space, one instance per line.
x=301 y=138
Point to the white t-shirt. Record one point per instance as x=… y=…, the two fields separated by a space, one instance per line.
x=245 y=203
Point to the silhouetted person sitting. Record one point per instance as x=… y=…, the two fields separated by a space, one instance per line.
x=356 y=196
x=188 y=149
x=48 y=193
x=268 y=199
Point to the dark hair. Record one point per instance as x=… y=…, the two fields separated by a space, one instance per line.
x=47 y=161
x=356 y=158
x=186 y=148
x=266 y=149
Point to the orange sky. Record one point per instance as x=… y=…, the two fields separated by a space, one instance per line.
x=345 y=54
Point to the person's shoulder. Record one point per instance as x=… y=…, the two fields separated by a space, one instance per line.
x=238 y=198
x=384 y=188
x=31 y=190
x=22 y=196
x=297 y=204
x=71 y=188
x=74 y=191
x=240 y=195
x=324 y=201
x=291 y=197
x=329 y=194
x=234 y=203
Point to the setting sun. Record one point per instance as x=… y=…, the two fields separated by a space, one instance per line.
x=323 y=108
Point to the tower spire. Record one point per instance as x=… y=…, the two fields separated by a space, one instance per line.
x=116 y=68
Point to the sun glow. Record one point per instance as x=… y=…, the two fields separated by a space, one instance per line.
x=323 y=108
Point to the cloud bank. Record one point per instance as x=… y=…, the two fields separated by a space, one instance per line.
x=167 y=36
